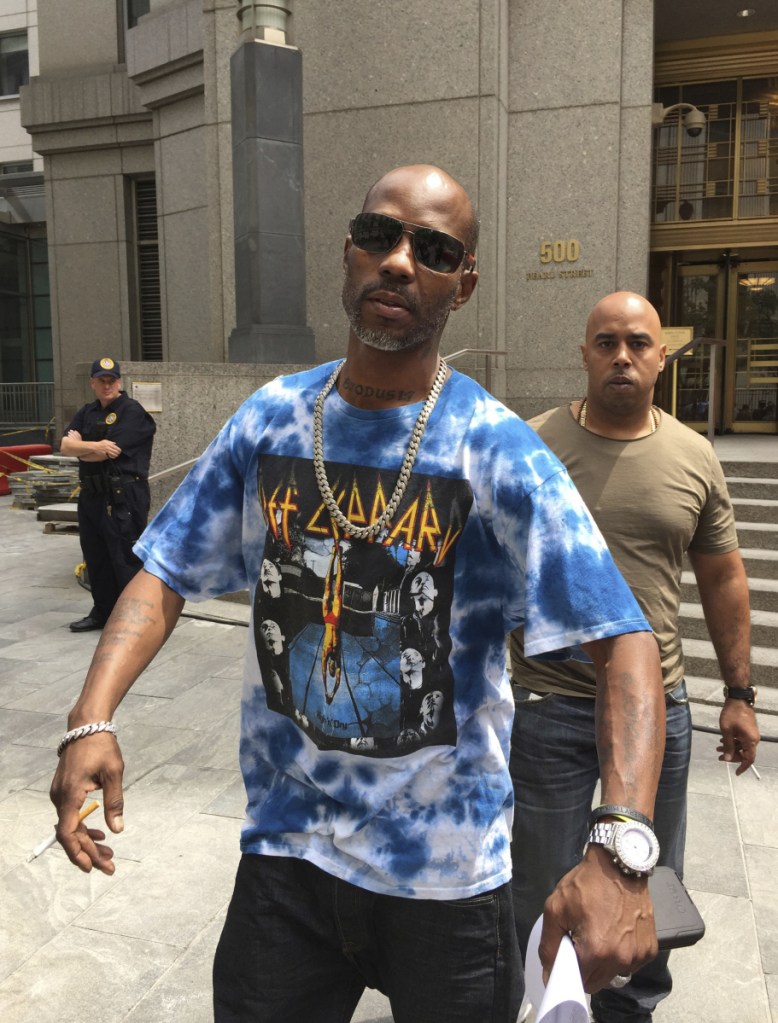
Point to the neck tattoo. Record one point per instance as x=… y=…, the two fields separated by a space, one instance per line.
x=653 y=417
x=382 y=393
x=365 y=532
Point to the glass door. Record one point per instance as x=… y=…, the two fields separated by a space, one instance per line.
x=733 y=299
x=700 y=296
x=752 y=378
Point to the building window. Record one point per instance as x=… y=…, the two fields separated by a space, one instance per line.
x=14 y=63
x=758 y=151
x=134 y=10
x=729 y=171
x=149 y=304
x=20 y=167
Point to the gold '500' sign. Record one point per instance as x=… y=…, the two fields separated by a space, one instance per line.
x=560 y=251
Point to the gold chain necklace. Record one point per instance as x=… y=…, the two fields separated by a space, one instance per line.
x=654 y=413
x=365 y=532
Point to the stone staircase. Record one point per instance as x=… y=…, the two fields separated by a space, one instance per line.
x=754 y=490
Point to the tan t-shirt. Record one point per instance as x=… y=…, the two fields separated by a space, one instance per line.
x=653 y=498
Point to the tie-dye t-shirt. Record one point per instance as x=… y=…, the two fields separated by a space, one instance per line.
x=376 y=709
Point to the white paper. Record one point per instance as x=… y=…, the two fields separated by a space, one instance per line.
x=563 y=1000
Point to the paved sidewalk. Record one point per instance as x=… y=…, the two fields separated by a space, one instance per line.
x=137 y=947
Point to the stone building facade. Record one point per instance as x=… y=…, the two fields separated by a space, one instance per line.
x=544 y=112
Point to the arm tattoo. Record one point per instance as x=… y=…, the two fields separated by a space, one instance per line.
x=621 y=752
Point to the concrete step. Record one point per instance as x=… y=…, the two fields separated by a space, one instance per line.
x=751 y=470
x=763 y=593
x=764 y=625
x=762 y=535
x=746 y=486
x=760 y=562
x=700 y=660
x=709 y=691
x=748 y=509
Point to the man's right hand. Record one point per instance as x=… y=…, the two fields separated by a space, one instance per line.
x=108 y=448
x=608 y=916
x=141 y=621
x=93 y=762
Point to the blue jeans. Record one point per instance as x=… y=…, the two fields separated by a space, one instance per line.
x=300 y=946
x=555 y=770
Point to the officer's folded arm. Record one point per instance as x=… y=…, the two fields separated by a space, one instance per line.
x=89 y=450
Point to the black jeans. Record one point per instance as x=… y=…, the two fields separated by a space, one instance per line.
x=300 y=946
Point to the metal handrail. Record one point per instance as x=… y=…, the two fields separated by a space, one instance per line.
x=172 y=469
x=673 y=357
x=479 y=351
x=448 y=358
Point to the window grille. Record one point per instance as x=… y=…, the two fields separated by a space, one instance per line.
x=147 y=263
x=729 y=171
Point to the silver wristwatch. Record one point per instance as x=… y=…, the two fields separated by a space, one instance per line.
x=632 y=845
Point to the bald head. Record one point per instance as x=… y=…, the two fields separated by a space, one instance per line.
x=440 y=192
x=623 y=356
x=623 y=306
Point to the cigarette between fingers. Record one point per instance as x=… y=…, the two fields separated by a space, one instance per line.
x=47 y=843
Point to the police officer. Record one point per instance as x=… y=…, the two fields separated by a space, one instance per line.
x=112 y=439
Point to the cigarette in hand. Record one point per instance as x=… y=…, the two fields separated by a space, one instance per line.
x=47 y=843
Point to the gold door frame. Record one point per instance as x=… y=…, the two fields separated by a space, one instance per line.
x=762 y=266
x=702 y=352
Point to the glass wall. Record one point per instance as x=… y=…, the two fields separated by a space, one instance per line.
x=25 y=309
x=15 y=351
x=41 y=309
x=729 y=170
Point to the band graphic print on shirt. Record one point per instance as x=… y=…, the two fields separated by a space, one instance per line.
x=352 y=636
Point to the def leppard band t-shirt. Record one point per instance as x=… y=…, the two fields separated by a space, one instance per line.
x=376 y=709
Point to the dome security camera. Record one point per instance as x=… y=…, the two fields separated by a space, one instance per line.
x=694 y=122
x=693 y=119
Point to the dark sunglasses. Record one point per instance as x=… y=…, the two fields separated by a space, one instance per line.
x=378 y=233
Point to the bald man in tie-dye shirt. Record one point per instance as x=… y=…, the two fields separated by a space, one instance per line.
x=376 y=708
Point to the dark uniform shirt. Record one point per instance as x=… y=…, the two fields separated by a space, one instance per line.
x=127 y=424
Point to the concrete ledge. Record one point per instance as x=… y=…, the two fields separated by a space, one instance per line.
x=67 y=512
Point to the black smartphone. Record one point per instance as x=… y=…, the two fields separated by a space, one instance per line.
x=678 y=921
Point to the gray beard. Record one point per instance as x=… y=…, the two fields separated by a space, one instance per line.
x=386 y=340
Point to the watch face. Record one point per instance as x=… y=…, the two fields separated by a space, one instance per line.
x=636 y=847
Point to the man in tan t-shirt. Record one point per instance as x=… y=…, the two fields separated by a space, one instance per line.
x=656 y=490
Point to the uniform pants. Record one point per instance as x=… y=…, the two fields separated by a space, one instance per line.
x=107 y=538
x=555 y=770
x=300 y=946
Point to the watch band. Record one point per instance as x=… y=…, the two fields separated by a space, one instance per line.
x=613 y=810
x=747 y=693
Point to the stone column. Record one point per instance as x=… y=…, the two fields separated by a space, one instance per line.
x=267 y=162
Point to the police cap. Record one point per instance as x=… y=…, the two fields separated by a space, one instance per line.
x=105 y=367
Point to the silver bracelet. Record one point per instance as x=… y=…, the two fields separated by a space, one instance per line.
x=82 y=730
